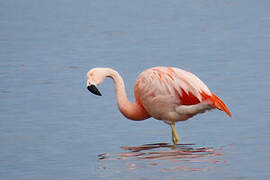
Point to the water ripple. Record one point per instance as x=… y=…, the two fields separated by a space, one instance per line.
x=165 y=158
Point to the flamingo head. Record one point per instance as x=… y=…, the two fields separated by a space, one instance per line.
x=95 y=77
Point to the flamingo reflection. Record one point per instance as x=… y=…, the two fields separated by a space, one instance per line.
x=181 y=157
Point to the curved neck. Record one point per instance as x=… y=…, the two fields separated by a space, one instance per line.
x=133 y=111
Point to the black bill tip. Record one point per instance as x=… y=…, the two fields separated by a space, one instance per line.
x=93 y=89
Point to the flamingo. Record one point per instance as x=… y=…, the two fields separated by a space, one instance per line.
x=165 y=93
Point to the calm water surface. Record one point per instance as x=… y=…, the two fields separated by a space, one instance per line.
x=51 y=127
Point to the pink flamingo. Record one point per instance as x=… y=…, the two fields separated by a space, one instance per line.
x=164 y=93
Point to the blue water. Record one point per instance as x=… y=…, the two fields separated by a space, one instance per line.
x=51 y=127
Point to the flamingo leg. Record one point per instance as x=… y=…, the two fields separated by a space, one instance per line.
x=175 y=137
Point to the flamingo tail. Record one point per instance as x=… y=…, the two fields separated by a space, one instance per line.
x=219 y=104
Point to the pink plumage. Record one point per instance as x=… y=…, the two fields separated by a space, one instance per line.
x=164 y=93
x=172 y=94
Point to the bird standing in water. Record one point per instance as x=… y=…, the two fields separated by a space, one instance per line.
x=164 y=93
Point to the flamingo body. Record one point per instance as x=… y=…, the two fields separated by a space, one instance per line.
x=164 y=93
x=173 y=94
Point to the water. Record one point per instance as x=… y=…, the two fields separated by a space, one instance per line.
x=51 y=127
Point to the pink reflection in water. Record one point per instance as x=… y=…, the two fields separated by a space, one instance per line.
x=182 y=157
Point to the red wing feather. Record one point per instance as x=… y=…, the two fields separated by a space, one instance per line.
x=187 y=98
x=190 y=99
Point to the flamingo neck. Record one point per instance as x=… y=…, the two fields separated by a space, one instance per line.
x=133 y=111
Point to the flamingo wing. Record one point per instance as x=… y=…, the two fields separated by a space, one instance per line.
x=187 y=89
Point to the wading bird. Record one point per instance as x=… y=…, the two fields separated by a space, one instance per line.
x=164 y=93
